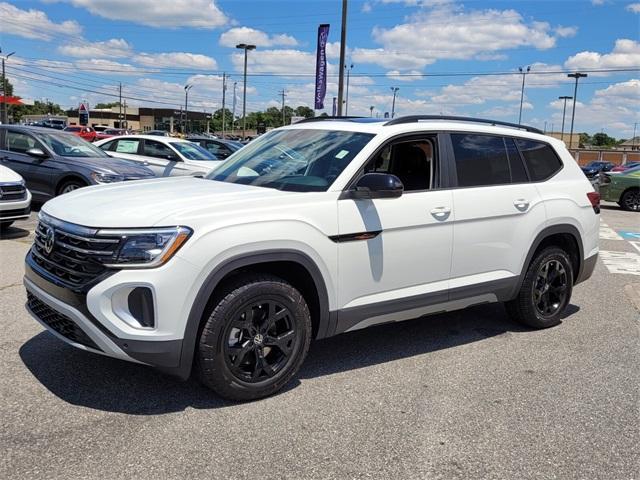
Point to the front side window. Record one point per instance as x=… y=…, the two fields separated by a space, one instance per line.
x=302 y=160
x=412 y=161
x=481 y=160
x=19 y=142
x=542 y=161
x=158 y=150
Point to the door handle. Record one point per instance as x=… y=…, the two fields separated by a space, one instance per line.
x=441 y=213
x=521 y=204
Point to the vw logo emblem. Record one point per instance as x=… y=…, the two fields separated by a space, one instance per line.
x=49 y=240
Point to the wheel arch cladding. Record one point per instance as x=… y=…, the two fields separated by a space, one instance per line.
x=565 y=236
x=295 y=267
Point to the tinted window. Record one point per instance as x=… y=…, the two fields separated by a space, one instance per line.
x=109 y=145
x=541 y=160
x=215 y=148
x=127 y=146
x=19 y=142
x=158 y=150
x=480 y=160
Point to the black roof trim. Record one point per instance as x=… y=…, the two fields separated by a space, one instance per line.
x=347 y=119
x=417 y=118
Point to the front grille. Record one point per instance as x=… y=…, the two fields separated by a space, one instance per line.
x=16 y=212
x=72 y=254
x=13 y=192
x=59 y=322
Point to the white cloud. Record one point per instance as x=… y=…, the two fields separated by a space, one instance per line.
x=633 y=7
x=597 y=2
x=238 y=35
x=449 y=31
x=114 y=48
x=625 y=54
x=158 y=13
x=283 y=62
x=566 y=32
x=34 y=24
x=102 y=66
x=366 y=7
x=175 y=59
x=410 y=76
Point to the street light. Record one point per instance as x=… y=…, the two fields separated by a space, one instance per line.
x=371 y=110
x=524 y=73
x=393 y=105
x=577 y=76
x=564 y=109
x=246 y=48
x=346 y=103
x=186 y=106
x=4 y=89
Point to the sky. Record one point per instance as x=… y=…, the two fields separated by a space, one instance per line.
x=446 y=57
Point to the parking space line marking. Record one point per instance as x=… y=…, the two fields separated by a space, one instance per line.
x=621 y=262
x=607 y=233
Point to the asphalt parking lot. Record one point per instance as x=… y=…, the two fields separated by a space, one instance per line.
x=463 y=395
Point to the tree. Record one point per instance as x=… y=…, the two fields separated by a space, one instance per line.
x=601 y=139
x=106 y=105
x=305 y=112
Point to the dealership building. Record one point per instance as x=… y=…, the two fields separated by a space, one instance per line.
x=145 y=119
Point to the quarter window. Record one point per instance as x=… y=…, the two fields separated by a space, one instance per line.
x=542 y=162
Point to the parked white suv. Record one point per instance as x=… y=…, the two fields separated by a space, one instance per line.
x=15 y=199
x=322 y=227
x=166 y=156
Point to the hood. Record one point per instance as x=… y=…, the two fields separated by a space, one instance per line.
x=147 y=203
x=8 y=175
x=118 y=166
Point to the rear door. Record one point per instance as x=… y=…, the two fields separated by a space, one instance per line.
x=498 y=212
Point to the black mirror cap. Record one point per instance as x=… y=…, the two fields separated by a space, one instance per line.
x=377 y=185
x=36 y=152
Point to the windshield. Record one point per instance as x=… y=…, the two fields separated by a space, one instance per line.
x=68 y=145
x=294 y=160
x=191 y=151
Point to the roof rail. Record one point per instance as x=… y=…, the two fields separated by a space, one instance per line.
x=417 y=118
x=323 y=118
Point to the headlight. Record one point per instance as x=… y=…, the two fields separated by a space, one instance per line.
x=147 y=248
x=106 y=177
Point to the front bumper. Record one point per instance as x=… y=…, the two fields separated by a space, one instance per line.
x=95 y=321
x=16 y=209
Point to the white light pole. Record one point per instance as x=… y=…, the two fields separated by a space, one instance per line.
x=577 y=76
x=246 y=48
x=346 y=103
x=186 y=107
x=524 y=73
x=564 y=110
x=393 y=105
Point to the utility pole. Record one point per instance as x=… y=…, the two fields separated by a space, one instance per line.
x=224 y=91
x=393 y=105
x=126 y=124
x=283 y=94
x=564 y=109
x=577 y=76
x=524 y=73
x=120 y=105
x=544 y=130
x=246 y=48
x=343 y=42
x=371 y=110
x=186 y=107
x=5 y=105
x=346 y=104
x=633 y=139
x=233 y=113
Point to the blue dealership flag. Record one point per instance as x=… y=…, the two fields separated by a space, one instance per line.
x=321 y=66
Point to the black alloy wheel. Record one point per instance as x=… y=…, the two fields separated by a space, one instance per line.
x=260 y=341
x=550 y=288
x=631 y=200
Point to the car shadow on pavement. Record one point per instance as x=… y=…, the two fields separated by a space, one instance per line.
x=13 y=233
x=103 y=383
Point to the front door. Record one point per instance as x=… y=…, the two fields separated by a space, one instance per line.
x=395 y=254
x=38 y=173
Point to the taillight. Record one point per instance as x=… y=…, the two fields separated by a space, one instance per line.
x=594 y=198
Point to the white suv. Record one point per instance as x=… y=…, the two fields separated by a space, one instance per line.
x=15 y=199
x=322 y=227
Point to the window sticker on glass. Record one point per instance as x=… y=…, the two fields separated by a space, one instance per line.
x=341 y=154
x=127 y=146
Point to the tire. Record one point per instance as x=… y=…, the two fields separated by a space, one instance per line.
x=70 y=186
x=630 y=200
x=538 y=306
x=5 y=225
x=242 y=358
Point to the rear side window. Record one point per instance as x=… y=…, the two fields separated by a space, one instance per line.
x=480 y=160
x=542 y=162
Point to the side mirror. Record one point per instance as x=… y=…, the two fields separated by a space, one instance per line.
x=36 y=152
x=377 y=185
x=173 y=158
